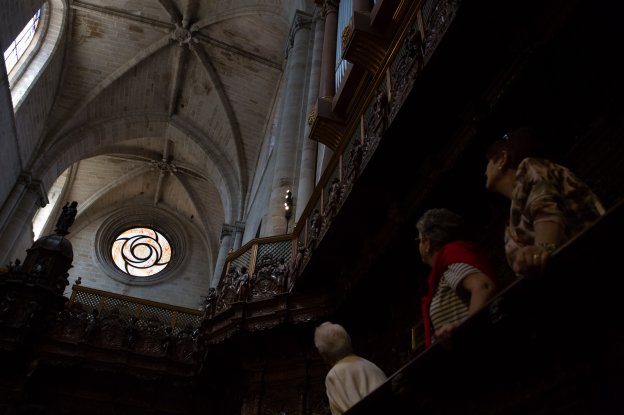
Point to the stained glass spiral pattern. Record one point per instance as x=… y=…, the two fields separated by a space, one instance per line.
x=141 y=252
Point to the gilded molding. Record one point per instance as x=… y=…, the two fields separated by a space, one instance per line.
x=346 y=33
x=311 y=117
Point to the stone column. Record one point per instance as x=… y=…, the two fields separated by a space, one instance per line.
x=307 y=171
x=329 y=11
x=238 y=234
x=27 y=196
x=292 y=113
x=224 y=249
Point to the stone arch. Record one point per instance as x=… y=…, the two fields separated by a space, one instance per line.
x=239 y=12
x=94 y=139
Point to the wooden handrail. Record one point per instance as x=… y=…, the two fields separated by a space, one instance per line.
x=133 y=300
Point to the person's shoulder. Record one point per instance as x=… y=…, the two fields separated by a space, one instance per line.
x=532 y=168
x=535 y=162
x=364 y=361
x=351 y=359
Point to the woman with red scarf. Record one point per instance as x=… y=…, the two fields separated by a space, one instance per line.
x=461 y=279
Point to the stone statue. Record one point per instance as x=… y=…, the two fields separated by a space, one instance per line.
x=356 y=155
x=241 y=283
x=316 y=223
x=17 y=267
x=333 y=198
x=296 y=264
x=210 y=298
x=66 y=219
x=92 y=325
x=167 y=340
x=131 y=330
x=209 y=301
x=380 y=107
x=280 y=272
x=7 y=304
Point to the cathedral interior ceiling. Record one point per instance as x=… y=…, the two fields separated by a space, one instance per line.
x=201 y=75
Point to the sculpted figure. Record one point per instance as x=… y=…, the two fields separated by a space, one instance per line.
x=66 y=219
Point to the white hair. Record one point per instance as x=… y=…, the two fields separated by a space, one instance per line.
x=332 y=341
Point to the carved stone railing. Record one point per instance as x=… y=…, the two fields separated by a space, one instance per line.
x=259 y=270
x=117 y=322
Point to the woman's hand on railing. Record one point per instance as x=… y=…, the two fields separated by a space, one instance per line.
x=530 y=261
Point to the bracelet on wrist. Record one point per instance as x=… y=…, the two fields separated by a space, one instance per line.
x=547 y=246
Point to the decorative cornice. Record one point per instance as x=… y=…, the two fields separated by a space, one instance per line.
x=227 y=230
x=327 y=6
x=37 y=187
x=34 y=185
x=24 y=178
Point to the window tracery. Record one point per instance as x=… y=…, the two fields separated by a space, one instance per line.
x=141 y=252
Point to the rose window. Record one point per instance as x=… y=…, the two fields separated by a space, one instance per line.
x=141 y=252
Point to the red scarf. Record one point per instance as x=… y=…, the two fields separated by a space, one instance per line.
x=457 y=251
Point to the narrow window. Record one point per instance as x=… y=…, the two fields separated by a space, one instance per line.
x=18 y=47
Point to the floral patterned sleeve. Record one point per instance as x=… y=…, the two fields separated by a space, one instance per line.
x=542 y=197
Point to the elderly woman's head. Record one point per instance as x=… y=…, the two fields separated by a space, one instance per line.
x=436 y=228
x=332 y=341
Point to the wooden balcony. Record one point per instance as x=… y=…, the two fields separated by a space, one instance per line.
x=552 y=341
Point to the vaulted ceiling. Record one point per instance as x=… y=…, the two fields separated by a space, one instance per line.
x=167 y=102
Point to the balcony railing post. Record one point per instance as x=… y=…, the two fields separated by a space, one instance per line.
x=252 y=259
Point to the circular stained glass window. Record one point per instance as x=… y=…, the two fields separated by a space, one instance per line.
x=141 y=252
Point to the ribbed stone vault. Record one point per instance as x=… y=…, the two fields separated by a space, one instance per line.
x=164 y=103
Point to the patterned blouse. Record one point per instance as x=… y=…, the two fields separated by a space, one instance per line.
x=553 y=193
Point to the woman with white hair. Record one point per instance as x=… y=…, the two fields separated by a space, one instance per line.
x=351 y=377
